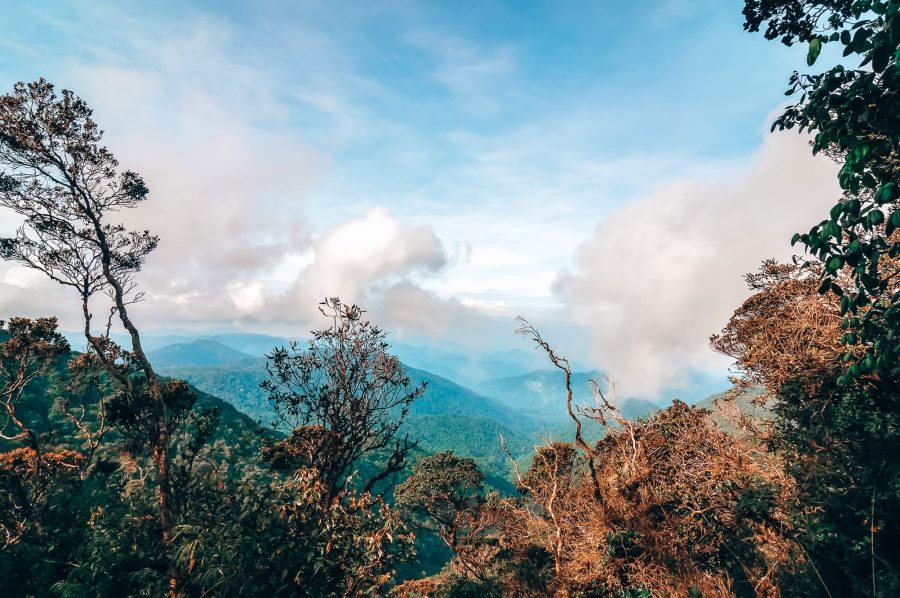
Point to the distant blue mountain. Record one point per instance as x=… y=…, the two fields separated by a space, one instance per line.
x=252 y=344
x=466 y=367
x=524 y=404
x=200 y=352
x=463 y=366
x=542 y=394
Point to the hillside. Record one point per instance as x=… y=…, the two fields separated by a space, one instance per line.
x=235 y=377
x=239 y=434
x=466 y=367
x=447 y=417
x=197 y=353
x=542 y=395
x=237 y=383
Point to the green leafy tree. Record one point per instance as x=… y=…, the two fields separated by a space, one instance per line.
x=342 y=398
x=852 y=110
x=444 y=492
x=30 y=351
x=842 y=452
x=55 y=173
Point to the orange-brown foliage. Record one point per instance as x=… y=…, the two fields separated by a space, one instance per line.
x=676 y=511
x=415 y=588
x=785 y=330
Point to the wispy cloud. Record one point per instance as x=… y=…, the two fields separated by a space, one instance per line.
x=480 y=77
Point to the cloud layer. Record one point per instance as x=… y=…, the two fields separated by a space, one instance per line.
x=661 y=274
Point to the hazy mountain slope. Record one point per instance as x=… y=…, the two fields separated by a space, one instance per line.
x=237 y=383
x=463 y=366
x=256 y=345
x=201 y=352
x=446 y=397
x=447 y=417
x=540 y=394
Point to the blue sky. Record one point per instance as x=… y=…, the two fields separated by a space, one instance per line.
x=448 y=164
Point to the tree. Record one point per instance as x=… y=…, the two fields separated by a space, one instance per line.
x=672 y=506
x=343 y=398
x=65 y=184
x=838 y=441
x=786 y=330
x=855 y=116
x=29 y=352
x=27 y=474
x=444 y=493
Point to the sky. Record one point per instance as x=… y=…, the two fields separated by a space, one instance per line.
x=603 y=168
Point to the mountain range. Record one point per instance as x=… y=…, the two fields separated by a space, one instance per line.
x=470 y=400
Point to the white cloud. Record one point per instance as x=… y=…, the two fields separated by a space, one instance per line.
x=410 y=310
x=228 y=186
x=661 y=274
x=357 y=259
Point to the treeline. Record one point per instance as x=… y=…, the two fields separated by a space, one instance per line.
x=115 y=481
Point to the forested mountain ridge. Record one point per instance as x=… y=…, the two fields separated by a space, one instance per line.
x=446 y=417
x=201 y=352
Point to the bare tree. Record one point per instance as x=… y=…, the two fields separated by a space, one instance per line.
x=561 y=363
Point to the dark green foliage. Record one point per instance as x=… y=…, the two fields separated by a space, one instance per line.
x=855 y=116
x=458 y=586
x=793 y=20
x=842 y=450
x=243 y=529
x=282 y=539
x=441 y=489
x=839 y=433
x=342 y=398
x=238 y=383
x=475 y=437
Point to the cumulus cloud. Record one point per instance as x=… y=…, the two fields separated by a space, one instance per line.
x=661 y=274
x=358 y=259
x=411 y=310
x=230 y=174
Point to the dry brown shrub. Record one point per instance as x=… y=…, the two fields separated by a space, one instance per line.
x=416 y=588
x=26 y=478
x=676 y=511
x=785 y=330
